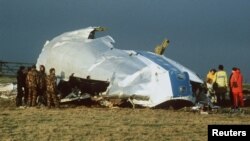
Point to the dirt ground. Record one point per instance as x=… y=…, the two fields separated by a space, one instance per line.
x=83 y=123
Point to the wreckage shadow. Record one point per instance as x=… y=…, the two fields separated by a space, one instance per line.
x=95 y=104
x=174 y=104
x=83 y=102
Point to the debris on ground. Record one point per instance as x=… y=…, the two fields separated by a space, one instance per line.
x=8 y=91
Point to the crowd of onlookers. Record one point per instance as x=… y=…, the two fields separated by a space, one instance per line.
x=218 y=85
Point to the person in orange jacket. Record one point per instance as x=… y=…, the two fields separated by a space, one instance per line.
x=236 y=86
x=241 y=88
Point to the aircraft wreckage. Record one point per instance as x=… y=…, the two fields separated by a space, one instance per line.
x=90 y=67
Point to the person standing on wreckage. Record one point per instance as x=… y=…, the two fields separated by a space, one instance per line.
x=51 y=89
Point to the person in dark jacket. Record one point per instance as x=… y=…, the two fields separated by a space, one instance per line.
x=42 y=98
x=20 y=85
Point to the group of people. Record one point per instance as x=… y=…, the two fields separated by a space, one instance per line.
x=36 y=87
x=218 y=86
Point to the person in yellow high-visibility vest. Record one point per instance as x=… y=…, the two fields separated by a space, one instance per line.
x=222 y=82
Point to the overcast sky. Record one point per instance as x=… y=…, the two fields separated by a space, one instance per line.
x=202 y=33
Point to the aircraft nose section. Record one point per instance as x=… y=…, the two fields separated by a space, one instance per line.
x=180 y=84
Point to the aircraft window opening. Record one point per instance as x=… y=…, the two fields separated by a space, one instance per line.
x=180 y=76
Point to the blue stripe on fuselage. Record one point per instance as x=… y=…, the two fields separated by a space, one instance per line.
x=180 y=80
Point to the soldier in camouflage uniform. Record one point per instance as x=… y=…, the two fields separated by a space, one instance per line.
x=51 y=89
x=32 y=83
x=42 y=86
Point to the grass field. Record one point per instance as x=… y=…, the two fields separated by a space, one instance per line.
x=83 y=123
x=103 y=124
x=7 y=79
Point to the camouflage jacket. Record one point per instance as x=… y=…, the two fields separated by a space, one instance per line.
x=51 y=83
x=32 y=79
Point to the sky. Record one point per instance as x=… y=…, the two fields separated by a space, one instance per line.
x=202 y=33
